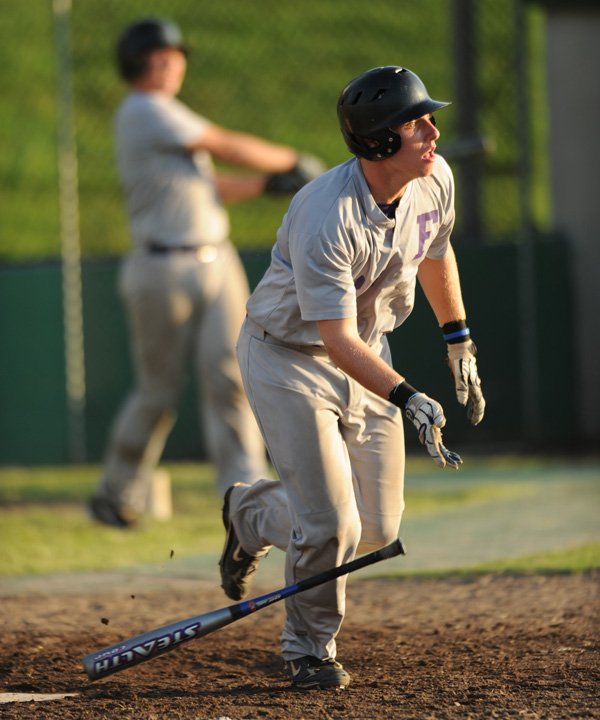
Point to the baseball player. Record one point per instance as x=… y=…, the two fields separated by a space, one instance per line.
x=183 y=284
x=316 y=362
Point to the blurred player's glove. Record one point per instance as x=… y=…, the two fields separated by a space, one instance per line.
x=462 y=364
x=427 y=416
x=306 y=169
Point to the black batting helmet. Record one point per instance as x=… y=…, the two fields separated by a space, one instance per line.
x=372 y=103
x=139 y=38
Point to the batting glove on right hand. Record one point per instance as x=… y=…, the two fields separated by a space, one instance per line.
x=463 y=366
x=428 y=417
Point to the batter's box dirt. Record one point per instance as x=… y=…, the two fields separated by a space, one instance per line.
x=491 y=646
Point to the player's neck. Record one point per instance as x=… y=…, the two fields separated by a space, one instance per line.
x=385 y=183
x=150 y=84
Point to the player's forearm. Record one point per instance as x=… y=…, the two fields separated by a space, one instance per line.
x=246 y=150
x=354 y=357
x=253 y=152
x=441 y=284
x=234 y=188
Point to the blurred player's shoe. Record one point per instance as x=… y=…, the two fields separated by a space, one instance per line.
x=309 y=673
x=236 y=564
x=105 y=512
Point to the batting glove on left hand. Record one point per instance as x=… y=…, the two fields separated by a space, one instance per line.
x=463 y=366
x=306 y=169
x=428 y=417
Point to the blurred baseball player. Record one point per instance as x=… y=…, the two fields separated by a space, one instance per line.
x=316 y=362
x=183 y=284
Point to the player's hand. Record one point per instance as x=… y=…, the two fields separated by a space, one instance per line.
x=463 y=366
x=428 y=417
x=306 y=169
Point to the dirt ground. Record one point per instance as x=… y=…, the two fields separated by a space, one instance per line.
x=492 y=646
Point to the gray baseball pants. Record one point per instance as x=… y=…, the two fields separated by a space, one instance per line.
x=339 y=452
x=184 y=308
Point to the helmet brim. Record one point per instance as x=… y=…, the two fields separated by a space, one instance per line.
x=424 y=108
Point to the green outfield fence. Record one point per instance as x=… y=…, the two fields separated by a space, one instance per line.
x=34 y=413
x=273 y=67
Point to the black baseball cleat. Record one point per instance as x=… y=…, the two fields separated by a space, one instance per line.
x=310 y=673
x=236 y=564
x=103 y=511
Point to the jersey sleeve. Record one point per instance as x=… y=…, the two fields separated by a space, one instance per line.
x=173 y=125
x=445 y=181
x=323 y=276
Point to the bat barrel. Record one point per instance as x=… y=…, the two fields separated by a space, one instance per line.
x=149 y=645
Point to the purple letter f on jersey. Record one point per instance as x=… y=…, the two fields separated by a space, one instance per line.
x=424 y=233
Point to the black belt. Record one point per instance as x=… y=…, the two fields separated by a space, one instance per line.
x=159 y=249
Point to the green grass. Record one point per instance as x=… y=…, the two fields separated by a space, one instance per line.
x=572 y=559
x=44 y=527
x=579 y=558
x=424 y=502
x=274 y=68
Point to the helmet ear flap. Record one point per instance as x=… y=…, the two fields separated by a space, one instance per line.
x=132 y=68
x=377 y=145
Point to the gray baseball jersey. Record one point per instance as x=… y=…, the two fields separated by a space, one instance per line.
x=337 y=255
x=338 y=448
x=170 y=193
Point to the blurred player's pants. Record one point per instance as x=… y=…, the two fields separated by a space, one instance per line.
x=339 y=451
x=183 y=308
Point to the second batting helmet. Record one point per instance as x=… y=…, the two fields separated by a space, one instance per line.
x=376 y=101
x=141 y=37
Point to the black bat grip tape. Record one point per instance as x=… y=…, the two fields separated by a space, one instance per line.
x=389 y=551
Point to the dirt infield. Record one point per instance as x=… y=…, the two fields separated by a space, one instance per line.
x=490 y=646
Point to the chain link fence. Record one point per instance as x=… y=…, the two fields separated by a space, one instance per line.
x=275 y=68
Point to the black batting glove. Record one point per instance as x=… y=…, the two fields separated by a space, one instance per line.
x=307 y=168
